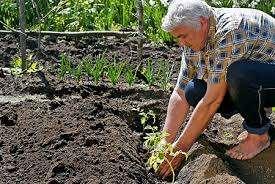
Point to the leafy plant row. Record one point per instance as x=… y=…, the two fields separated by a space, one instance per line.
x=82 y=15
x=114 y=71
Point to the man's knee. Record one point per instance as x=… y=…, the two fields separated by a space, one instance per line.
x=237 y=77
x=194 y=91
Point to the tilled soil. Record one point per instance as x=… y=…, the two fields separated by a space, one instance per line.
x=62 y=131
x=75 y=133
x=73 y=140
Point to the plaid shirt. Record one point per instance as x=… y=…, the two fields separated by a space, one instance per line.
x=234 y=34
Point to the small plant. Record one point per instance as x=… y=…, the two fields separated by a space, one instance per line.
x=17 y=64
x=130 y=75
x=65 y=66
x=77 y=72
x=145 y=117
x=114 y=71
x=160 y=149
x=148 y=72
x=98 y=68
x=94 y=69
x=164 y=74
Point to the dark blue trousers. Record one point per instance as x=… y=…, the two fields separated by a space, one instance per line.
x=251 y=87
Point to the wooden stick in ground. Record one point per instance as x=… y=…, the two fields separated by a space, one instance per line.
x=22 y=24
x=39 y=21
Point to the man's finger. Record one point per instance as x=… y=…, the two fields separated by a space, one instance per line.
x=167 y=173
x=162 y=169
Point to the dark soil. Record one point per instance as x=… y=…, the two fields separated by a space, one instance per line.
x=62 y=131
x=75 y=133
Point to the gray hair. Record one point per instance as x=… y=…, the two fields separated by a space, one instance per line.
x=185 y=12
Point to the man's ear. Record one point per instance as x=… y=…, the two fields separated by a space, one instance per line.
x=204 y=21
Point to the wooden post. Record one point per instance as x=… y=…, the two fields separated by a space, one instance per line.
x=22 y=24
x=140 y=30
x=34 y=5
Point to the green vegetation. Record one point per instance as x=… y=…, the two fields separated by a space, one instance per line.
x=114 y=71
x=160 y=151
x=78 y=72
x=66 y=67
x=83 y=15
x=96 y=69
x=17 y=66
x=145 y=116
x=129 y=75
x=164 y=74
x=148 y=72
x=100 y=67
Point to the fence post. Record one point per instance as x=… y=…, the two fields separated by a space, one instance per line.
x=140 y=30
x=22 y=24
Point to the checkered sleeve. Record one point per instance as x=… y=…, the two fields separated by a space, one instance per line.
x=187 y=70
x=183 y=74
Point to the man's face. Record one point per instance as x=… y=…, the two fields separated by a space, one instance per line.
x=191 y=37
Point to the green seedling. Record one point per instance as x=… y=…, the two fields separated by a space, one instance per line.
x=65 y=66
x=77 y=72
x=144 y=117
x=160 y=149
x=148 y=72
x=164 y=74
x=114 y=72
x=98 y=69
x=130 y=75
x=94 y=69
x=17 y=64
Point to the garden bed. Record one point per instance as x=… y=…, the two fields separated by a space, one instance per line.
x=60 y=131
x=66 y=131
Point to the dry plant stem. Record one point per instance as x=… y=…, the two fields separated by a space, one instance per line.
x=171 y=167
x=119 y=34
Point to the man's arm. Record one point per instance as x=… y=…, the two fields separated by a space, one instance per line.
x=176 y=112
x=201 y=115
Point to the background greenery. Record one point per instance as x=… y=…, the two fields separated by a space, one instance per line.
x=83 y=15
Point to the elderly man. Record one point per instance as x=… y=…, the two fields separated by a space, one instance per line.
x=228 y=66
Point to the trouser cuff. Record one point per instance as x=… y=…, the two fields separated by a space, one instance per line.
x=258 y=131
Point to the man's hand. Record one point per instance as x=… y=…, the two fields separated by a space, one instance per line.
x=165 y=169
